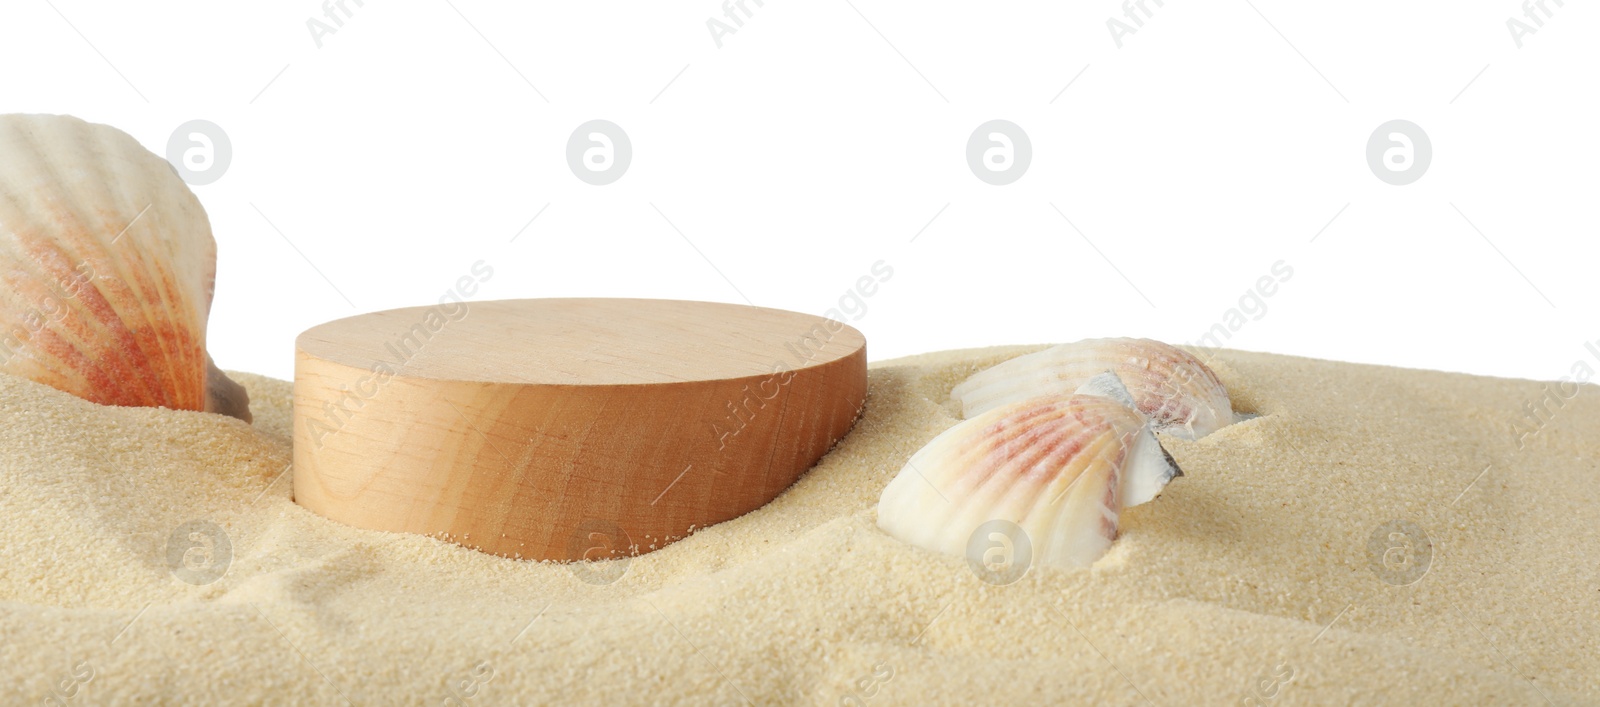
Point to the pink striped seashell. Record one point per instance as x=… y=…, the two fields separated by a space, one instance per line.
x=107 y=267
x=1061 y=468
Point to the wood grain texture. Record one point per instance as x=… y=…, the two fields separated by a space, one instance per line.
x=565 y=429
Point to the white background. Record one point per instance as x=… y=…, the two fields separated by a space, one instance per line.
x=823 y=136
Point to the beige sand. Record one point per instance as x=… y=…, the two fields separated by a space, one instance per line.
x=1221 y=591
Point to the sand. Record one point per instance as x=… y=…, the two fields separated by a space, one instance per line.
x=1250 y=580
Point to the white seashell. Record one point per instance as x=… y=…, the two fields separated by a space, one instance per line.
x=1061 y=468
x=107 y=267
x=1180 y=395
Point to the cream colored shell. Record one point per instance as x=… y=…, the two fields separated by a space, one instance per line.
x=1179 y=393
x=1061 y=468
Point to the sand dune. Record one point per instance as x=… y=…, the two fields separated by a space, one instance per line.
x=1270 y=574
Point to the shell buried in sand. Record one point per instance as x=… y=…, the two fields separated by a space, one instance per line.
x=1179 y=394
x=566 y=429
x=1060 y=468
x=107 y=269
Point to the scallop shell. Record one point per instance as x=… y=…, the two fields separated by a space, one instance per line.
x=1060 y=468
x=1180 y=395
x=107 y=268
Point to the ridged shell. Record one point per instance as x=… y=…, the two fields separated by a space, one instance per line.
x=1180 y=395
x=1060 y=468
x=107 y=268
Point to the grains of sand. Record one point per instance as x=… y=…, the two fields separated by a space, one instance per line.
x=1287 y=567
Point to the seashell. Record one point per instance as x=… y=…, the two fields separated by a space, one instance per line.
x=1061 y=468
x=107 y=268
x=1180 y=395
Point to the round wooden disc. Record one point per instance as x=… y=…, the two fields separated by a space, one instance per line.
x=566 y=429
